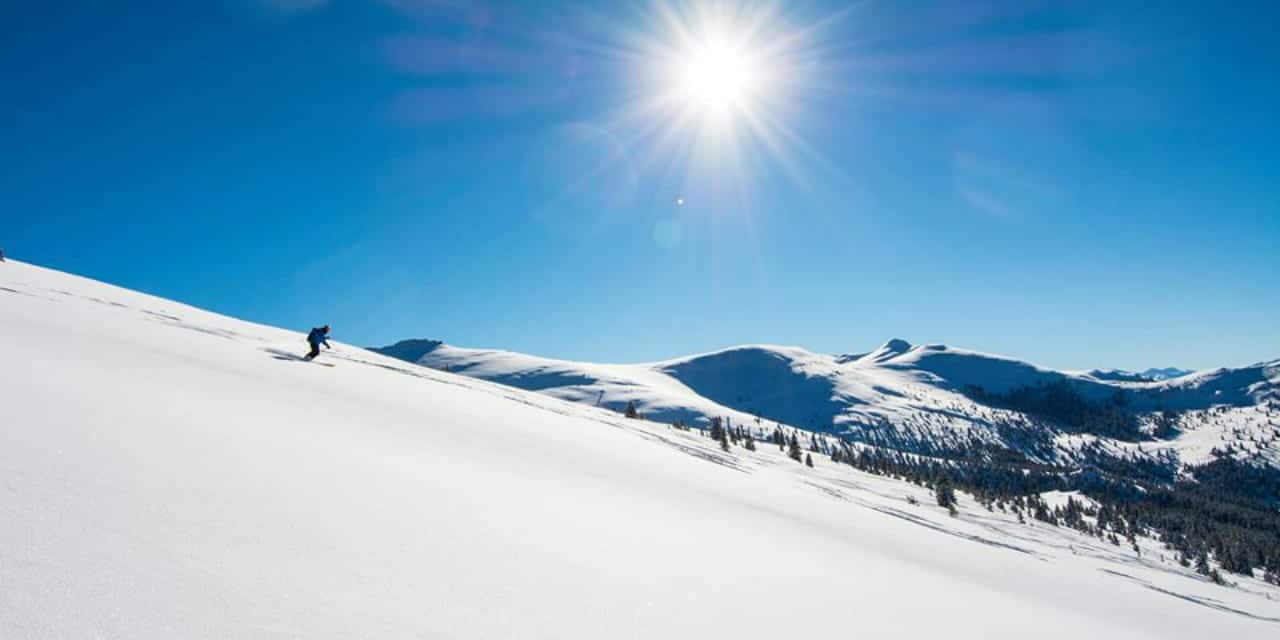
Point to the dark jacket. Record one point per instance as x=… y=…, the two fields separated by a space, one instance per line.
x=318 y=337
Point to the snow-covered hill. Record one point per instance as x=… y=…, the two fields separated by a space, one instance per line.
x=1165 y=373
x=167 y=472
x=1150 y=375
x=896 y=392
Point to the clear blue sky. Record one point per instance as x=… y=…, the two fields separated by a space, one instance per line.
x=1079 y=184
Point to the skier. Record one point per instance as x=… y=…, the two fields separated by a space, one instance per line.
x=318 y=336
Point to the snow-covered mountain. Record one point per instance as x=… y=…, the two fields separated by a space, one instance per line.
x=1150 y=375
x=167 y=472
x=908 y=393
x=1165 y=373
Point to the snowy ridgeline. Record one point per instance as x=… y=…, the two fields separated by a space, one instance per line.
x=171 y=473
x=901 y=395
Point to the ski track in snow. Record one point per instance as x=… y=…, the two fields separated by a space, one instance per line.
x=1205 y=602
x=74 y=582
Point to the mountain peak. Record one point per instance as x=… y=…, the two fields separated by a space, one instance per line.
x=1166 y=373
x=896 y=345
x=409 y=350
x=1150 y=375
x=889 y=350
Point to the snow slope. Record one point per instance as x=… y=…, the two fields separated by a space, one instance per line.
x=659 y=396
x=912 y=393
x=1165 y=373
x=782 y=384
x=1150 y=375
x=167 y=472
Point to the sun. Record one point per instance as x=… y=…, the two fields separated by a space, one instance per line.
x=717 y=76
x=714 y=96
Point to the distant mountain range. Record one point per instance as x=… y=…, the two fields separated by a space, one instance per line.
x=915 y=398
x=1150 y=375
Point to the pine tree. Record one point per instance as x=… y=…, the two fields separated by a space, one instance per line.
x=630 y=411
x=717 y=430
x=1202 y=564
x=808 y=460
x=793 y=448
x=946 y=496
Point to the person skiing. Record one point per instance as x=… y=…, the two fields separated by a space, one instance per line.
x=318 y=336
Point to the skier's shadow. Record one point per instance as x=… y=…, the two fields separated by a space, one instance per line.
x=287 y=356
x=279 y=354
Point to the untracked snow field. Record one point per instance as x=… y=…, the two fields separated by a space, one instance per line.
x=166 y=472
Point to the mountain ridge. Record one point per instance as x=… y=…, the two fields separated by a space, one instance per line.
x=898 y=390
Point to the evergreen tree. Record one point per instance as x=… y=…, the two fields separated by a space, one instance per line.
x=630 y=411
x=717 y=429
x=808 y=460
x=793 y=448
x=946 y=496
x=1202 y=564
